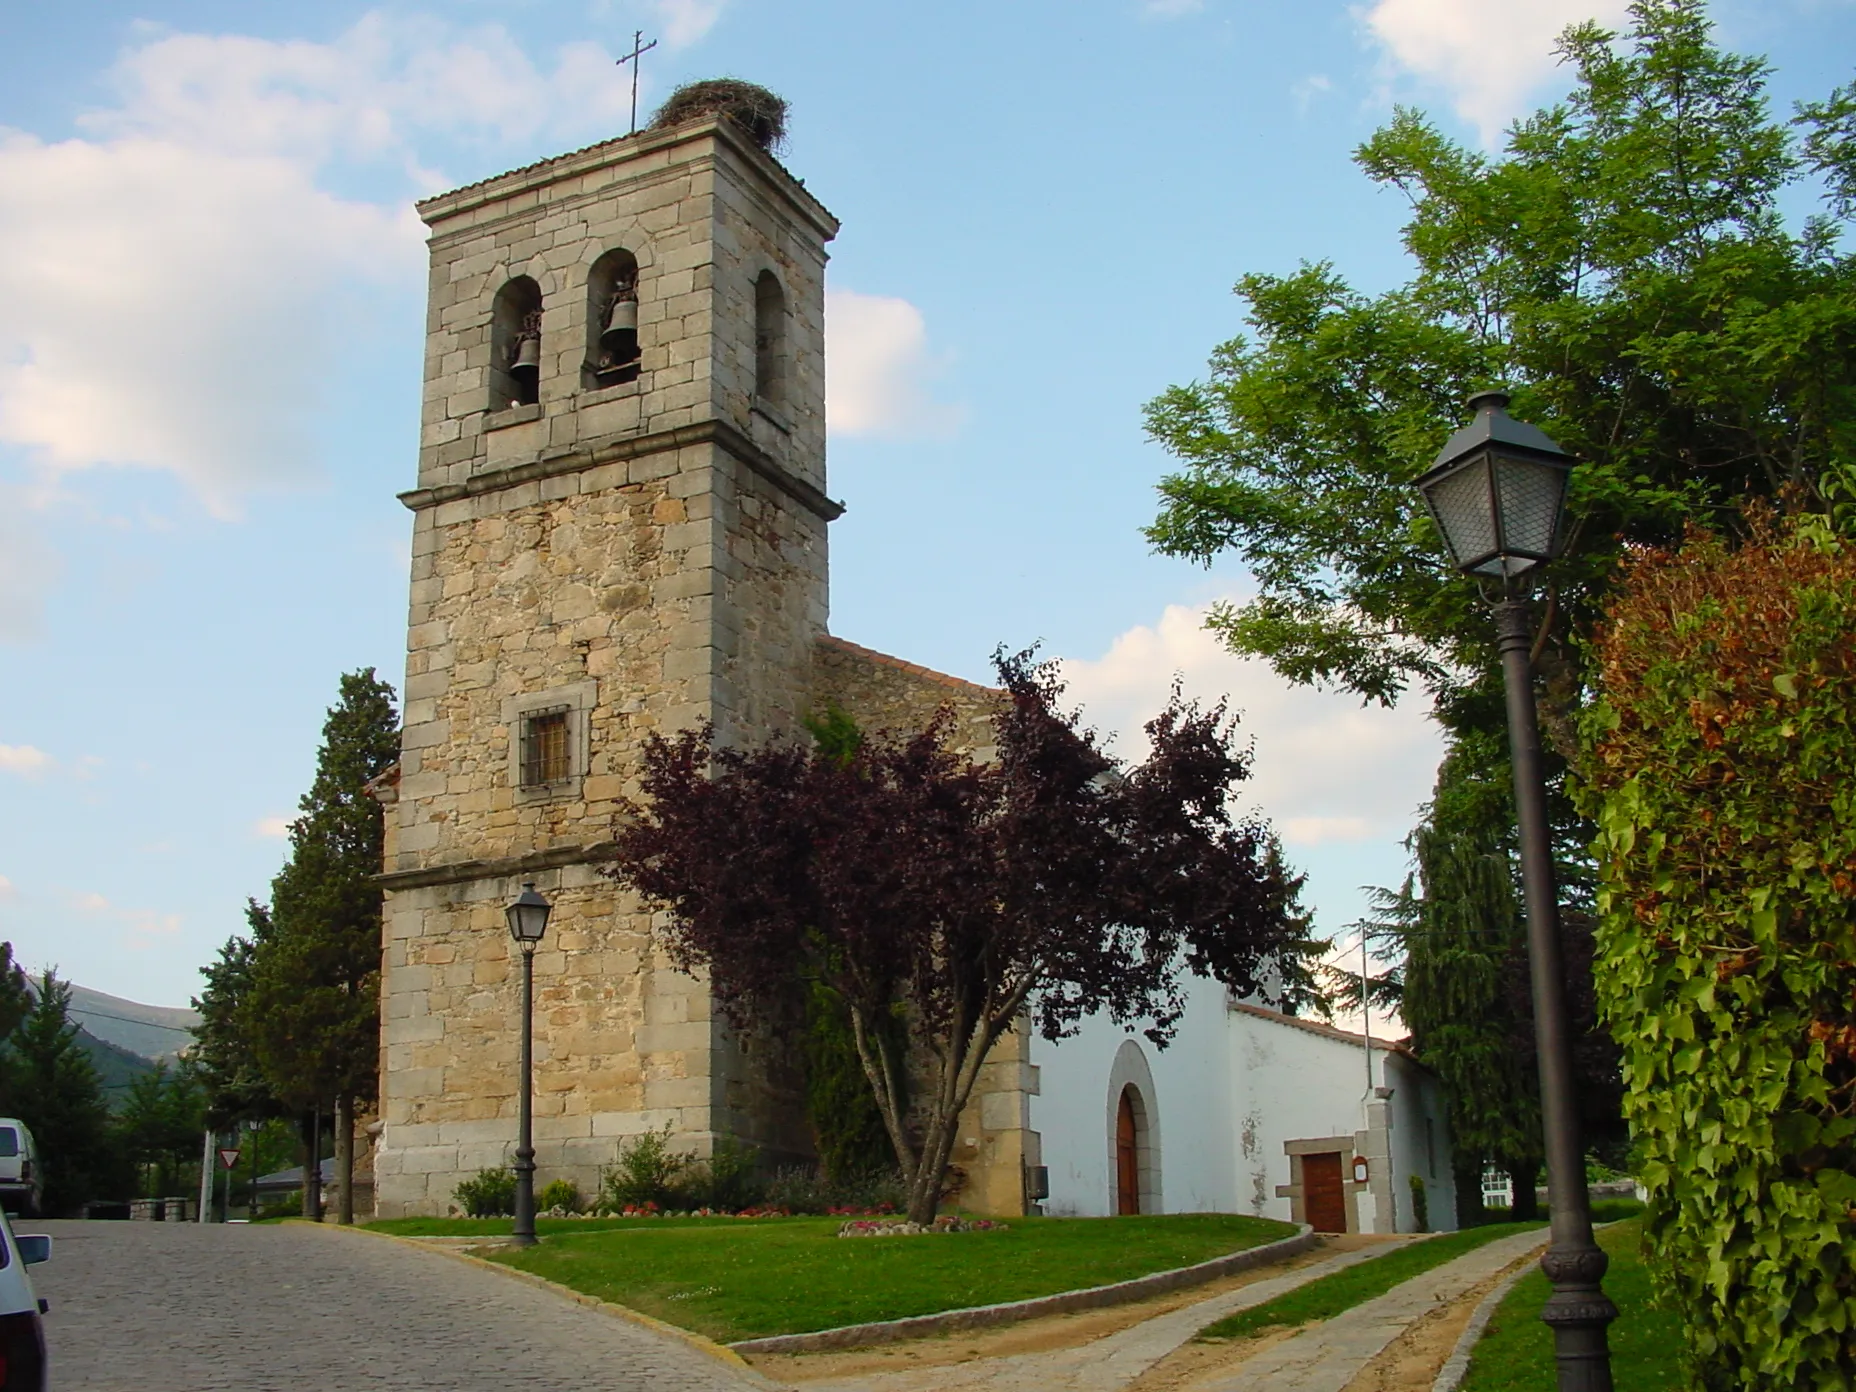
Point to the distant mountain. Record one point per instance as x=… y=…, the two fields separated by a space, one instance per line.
x=116 y=1067
x=153 y=1032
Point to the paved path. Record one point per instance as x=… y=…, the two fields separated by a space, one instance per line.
x=185 y=1307
x=1102 y=1365
x=1328 y=1356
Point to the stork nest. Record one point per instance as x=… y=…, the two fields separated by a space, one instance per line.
x=756 y=110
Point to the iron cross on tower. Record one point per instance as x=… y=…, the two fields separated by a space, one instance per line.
x=638 y=49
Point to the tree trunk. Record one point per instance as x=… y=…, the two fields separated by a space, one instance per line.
x=1468 y=1174
x=310 y=1131
x=344 y=1159
x=1523 y=1176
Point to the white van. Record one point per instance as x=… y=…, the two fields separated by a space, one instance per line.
x=21 y=1184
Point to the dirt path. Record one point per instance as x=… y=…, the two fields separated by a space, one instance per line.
x=1091 y=1351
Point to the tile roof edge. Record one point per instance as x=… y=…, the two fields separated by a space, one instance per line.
x=913 y=668
x=1334 y=1032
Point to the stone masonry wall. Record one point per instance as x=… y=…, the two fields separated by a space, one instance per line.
x=647 y=554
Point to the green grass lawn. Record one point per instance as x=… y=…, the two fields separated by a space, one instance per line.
x=1342 y=1290
x=746 y=1278
x=1516 y=1353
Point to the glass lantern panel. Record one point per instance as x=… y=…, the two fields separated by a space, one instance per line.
x=1464 y=510
x=1530 y=493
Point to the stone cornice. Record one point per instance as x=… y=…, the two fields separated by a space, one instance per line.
x=531 y=179
x=501 y=868
x=710 y=432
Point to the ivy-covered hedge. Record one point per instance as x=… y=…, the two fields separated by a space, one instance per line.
x=1722 y=776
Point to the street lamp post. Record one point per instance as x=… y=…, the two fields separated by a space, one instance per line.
x=528 y=920
x=1497 y=492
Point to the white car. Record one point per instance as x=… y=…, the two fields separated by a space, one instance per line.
x=21 y=1184
x=22 y=1329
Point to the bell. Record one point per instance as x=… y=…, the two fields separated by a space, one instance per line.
x=620 y=340
x=527 y=367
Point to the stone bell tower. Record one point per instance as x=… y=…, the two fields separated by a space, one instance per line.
x=619 y=529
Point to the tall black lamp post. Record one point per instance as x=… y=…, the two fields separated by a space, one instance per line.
x=1497 y=493
x=528 y=920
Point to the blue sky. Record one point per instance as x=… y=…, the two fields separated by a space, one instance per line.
x=210 y=335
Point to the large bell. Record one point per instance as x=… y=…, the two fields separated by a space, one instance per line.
x=620 y=340
x=526 y=369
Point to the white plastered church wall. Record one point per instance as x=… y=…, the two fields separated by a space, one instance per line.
x=1189 y=1112
x=1232 y=1093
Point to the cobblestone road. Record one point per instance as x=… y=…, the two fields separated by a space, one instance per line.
x=184 y=1307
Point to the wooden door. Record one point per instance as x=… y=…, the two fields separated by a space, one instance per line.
x=1127 y=1157
x=1324 y=1204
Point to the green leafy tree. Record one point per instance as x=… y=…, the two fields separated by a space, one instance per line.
x=312 y=1014
x=224 y=1056
x=15 y=993
x=1723 y=781
x=161 y=1123
x=1623 y=268
x=53 y=1087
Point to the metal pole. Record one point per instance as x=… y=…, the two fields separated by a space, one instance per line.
x=524 y=1234
x=1366 y=1015
x=206 y=1173
x=1578 y=1310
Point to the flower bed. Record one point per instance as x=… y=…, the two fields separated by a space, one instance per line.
x=901 y=1227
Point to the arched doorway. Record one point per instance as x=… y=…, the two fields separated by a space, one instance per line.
x=1128 y=1152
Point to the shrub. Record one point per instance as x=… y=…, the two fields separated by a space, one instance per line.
x=488 y=1194
x=647 y=1171
x=1721 y=772
x=729 y=1180
x=1420 y=1204
x=563 y=1194
x=802 y=1189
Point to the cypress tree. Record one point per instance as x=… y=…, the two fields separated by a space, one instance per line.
x=314 y=1013
x=54 y=1088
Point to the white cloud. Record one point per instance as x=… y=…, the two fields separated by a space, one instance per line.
x=167 y=308
x=178 y=285
x=1326 y=769
x=271 y=828
x=138 y=925
x=1488 y=55
x=1310 y=87
x=7 y=889
x=1171 y=9
x=24 y=760
x=877 y=362
x=687 y=21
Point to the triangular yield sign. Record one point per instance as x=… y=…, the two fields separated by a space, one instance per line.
x=228 y=1158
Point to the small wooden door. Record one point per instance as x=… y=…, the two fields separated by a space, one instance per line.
x=1127 y=1157
x=1323 y=1201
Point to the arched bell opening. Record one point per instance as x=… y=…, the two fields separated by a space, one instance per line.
x=769 y=340
x=515 y=345
x=612 y=347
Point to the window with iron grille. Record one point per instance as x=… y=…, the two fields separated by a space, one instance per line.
x=545 y=749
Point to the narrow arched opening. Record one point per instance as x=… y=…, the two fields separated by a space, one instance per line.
x=769 y=339
x=613 y=352
x=515 y=345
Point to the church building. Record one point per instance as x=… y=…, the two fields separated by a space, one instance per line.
x=619 y=529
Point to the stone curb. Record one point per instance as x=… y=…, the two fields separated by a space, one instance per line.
x=1011 y=1312
x=721 y=1353
x=1456 y=1366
